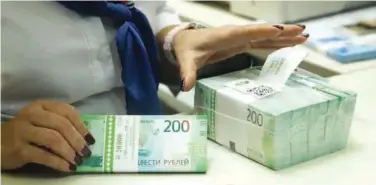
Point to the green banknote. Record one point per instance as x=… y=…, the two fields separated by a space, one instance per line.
x=174 y=143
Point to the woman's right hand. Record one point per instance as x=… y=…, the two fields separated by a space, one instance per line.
x=45 y=132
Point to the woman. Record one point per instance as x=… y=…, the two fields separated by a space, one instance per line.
x=60 y=59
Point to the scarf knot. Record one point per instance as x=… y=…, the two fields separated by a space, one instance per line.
x=137 y=49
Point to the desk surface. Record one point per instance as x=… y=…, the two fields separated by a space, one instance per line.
x=315 y=62
x=354 y=165
x=364 y=83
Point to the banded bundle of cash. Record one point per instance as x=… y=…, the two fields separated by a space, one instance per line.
x=306 y=119
x=146 y=144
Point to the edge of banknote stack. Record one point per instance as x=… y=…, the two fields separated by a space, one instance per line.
x=308 y=127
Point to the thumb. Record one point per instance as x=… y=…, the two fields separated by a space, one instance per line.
x=188 y=72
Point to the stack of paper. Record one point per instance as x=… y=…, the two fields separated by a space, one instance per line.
x=275 y=126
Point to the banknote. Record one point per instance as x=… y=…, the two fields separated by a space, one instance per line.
x=303 y=119
x=175 y=143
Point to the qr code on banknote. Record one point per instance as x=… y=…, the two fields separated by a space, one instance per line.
x=261 y=91
x=250 y=87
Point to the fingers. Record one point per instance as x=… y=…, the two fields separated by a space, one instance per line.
x=72 y=115
x=232 y=36
x=188 y=68
x=188 y=76
x=279 y=42
x=258 y=32
x=34 y=154
x=189 y=81
x=291 y=30
x=55 y=142
x=266 y=44
x=62 y=126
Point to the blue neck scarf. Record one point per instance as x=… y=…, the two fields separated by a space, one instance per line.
x=137 y=49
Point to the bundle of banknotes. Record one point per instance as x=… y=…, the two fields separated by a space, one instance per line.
x=146 y=144
x=304 y=120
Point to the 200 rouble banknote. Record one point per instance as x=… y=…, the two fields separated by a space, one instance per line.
x=124 y=143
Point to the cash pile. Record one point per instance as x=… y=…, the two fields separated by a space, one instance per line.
x=146 y=144
x=304 y=120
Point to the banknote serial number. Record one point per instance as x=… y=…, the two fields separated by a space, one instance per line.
x=119 y=142
x=182 y=162
x=177 y=126
x=255 y=118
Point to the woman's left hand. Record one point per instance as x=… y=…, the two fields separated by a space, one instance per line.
x=197 y=47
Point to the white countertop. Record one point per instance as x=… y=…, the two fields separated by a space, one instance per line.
x=364 y=83
x=354 y=165
x=315 y=62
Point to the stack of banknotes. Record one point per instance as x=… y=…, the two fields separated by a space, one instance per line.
x=306 y=119
x=146 y=144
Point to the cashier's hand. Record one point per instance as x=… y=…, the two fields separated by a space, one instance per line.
x=47 y=133
x=197 y=47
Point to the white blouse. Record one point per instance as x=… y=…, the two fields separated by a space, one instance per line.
x=49 y=52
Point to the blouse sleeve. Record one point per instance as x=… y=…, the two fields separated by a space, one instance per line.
x=159 y=14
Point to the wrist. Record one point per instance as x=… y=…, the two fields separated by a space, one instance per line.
x=161 y=35
x=171 y=38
